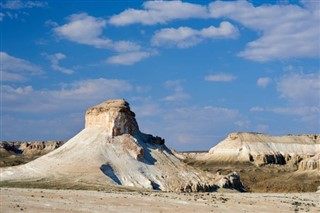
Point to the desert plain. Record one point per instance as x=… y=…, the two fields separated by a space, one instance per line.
x=45 y=200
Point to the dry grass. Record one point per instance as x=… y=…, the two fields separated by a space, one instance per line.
x=269 y=178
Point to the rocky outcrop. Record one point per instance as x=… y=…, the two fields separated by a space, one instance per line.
x=231 y=181
x=312 y=163
x=263 y=149
x=111 y=150
x=114 y=116
x=30 y=147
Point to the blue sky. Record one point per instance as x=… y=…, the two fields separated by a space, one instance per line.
x=192 y=71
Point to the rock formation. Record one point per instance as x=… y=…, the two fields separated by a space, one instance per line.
x=312 y=163
x=232 y=180
x=112 y=150
x=263 y=149
x=29 y=148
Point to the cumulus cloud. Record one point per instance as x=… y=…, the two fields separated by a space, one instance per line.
x=128 y=58
x=17 y=69
x=17 y=4
x=264 y=82
x=184 y=37
x=84 y=29
x=54 y=59
x=71 y=96
x=220 y=77
x=178 y=93
x=302 y=94
x=302 y=89
x=59 y=112
x=287 y=31
x=159 y=12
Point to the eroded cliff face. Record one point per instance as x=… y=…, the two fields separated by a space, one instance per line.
x=114 y=116
x=263 y=149
x=310 y=164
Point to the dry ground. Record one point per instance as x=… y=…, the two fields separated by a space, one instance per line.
x=44 y=200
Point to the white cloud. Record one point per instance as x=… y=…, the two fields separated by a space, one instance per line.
x=145 y=109
x=184 y=37
x=302 y=89
x=292 y=110
x=302 y=95
x=220 y=77
x=17 y=4
x=50 y=23
x=128 y=58
x=178 y=93
x=84 y=29
x=2 y=15
x=54 y=59
x=262 y=128
x=159 y=12
x=59 y=112
x=12 y=77
x=72 y=96
x=257 y=109
x=11 y=63
x=264 y=82
x=16 y=69
x=287 y=31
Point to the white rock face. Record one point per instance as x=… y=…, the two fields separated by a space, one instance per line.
x=113 y=116
x=262 y=149
x=112 y=150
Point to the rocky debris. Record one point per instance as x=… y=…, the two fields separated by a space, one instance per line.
x=312 y=163
x=231 y=181
x=111 y=150
x=197 y=187
x=262 y=149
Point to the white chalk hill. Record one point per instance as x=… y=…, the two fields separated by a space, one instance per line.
x=263 y=149
x=112 y=150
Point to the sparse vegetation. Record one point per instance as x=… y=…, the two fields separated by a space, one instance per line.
x=269 y=178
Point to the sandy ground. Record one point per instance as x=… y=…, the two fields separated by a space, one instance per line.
x=43 y=200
